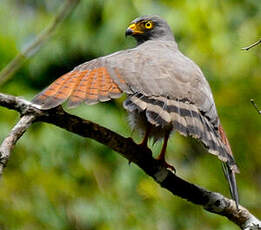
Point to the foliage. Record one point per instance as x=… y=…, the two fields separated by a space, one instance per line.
x=57 y=180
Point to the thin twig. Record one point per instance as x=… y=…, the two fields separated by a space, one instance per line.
x=142 y=156
x=252 y=45
x=35 y=45
x=255 y=106
x=10 y=141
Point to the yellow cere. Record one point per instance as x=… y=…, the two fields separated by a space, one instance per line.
x=136 y=28
x=132 y=26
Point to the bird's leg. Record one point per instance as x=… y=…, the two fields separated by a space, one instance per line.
x=146 y=137
x=161 y=157
x=144 y=142
x=164 y=147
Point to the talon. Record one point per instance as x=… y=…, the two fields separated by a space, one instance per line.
x=168 y=166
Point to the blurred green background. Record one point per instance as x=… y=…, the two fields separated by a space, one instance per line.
x=57 y=180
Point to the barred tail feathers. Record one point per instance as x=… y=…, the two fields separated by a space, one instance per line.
x=189 y=121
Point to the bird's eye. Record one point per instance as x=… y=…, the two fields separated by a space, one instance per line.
x=148 y=25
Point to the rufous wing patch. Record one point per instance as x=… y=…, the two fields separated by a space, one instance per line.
x=89 y=86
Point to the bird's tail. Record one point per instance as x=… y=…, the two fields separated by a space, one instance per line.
x=228 y=170
x=231 y=178
x=188 y=121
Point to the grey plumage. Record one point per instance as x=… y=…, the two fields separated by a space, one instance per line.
x=166 y=90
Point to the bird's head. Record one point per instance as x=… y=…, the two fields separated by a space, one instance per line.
x=149 y=28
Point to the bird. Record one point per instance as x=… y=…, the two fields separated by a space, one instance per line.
x=166 y=92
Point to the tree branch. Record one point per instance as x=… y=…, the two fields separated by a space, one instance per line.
x=210 y=201
x=35 y=45
x=255 y=106
x=10 y=141
x=252 y=45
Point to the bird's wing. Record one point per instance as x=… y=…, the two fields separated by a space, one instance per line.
x=103 y=78
x=91 y=82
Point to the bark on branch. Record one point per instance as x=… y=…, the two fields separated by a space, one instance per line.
x=210 y=201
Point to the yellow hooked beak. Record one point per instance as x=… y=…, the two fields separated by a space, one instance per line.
x=133 y=29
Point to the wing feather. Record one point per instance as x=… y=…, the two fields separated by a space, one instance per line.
x=89 y=83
